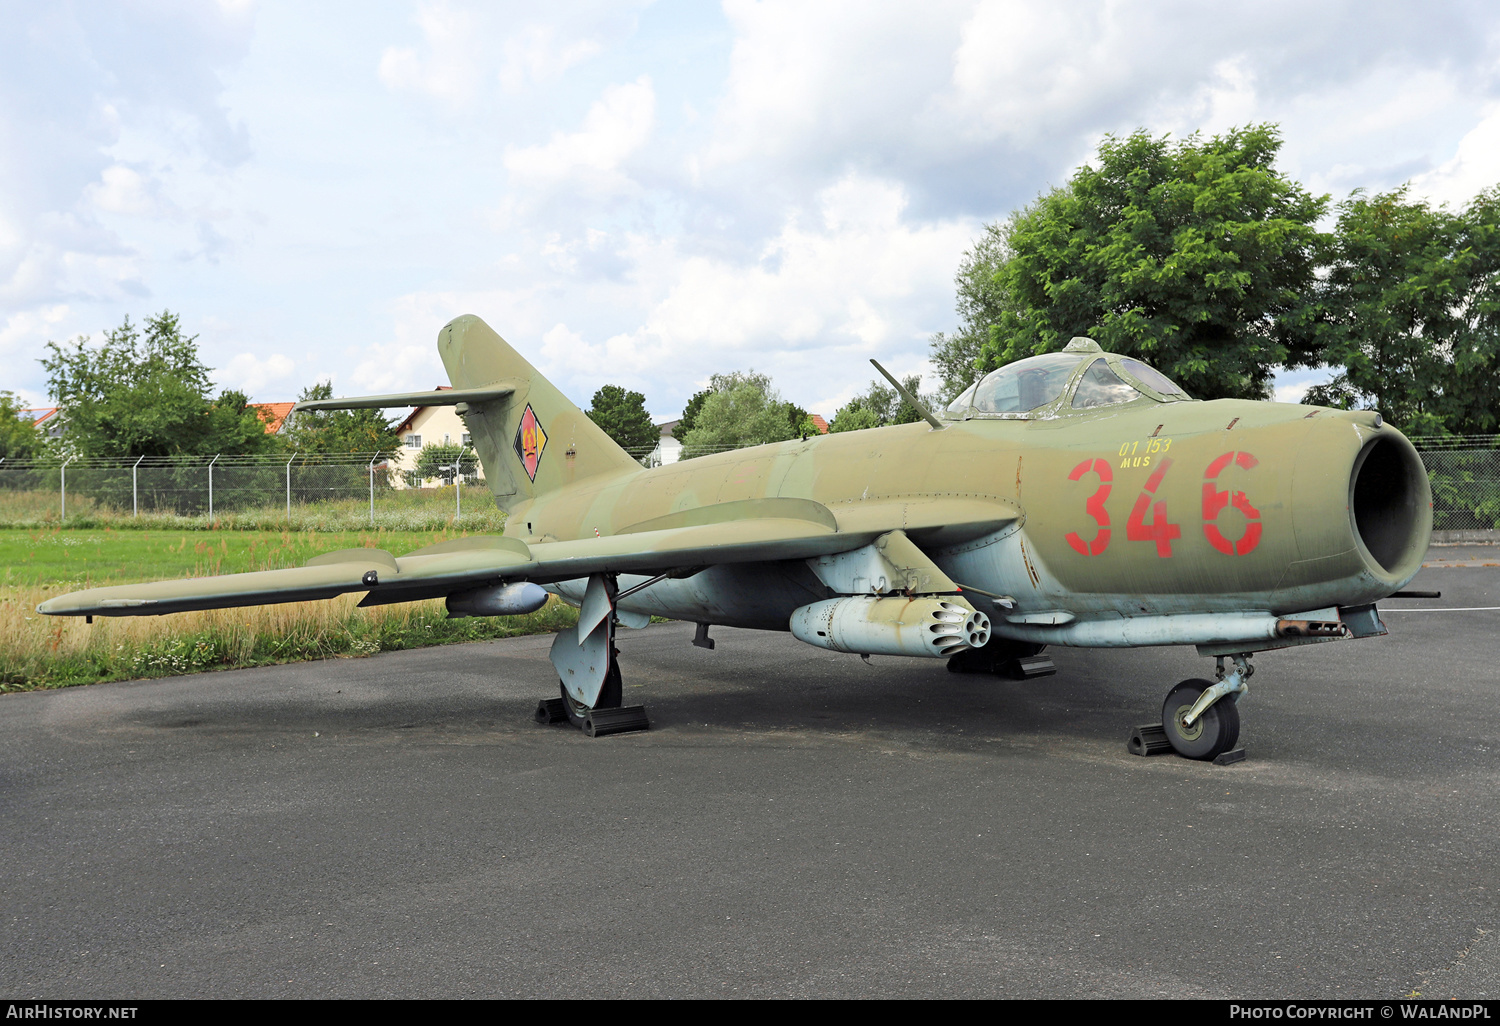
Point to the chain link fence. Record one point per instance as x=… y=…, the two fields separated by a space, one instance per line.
x=1465 y=474
x=199 y=486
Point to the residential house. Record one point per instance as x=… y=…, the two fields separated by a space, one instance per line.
x=46 y=419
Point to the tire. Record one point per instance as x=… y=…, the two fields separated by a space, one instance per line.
x=1212 y=734
x=610 y=696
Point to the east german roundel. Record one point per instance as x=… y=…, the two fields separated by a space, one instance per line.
x=530 y=441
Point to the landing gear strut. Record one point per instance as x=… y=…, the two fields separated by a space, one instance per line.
x=589 y=674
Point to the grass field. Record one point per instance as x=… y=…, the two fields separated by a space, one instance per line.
x=45 y=652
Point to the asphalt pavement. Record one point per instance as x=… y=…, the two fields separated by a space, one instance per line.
x=796 y=823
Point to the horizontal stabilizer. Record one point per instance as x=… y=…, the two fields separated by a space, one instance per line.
x=440 y=397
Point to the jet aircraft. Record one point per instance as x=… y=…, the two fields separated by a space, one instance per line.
x=1078 y=498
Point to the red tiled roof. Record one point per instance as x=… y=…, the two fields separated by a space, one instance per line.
x=38 y=415
x=820 y=424
x=273 y=415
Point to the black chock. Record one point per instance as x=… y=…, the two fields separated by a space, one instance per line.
x=1230 y=758
x=1148 y=739
x=1034 y=666
x=551 y=710
x=603 y=722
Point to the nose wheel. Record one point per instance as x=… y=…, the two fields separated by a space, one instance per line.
x=1208 y=735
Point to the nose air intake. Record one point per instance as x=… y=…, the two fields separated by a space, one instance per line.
x=1390 y=504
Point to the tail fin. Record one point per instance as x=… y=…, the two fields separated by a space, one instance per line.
x=533 y=440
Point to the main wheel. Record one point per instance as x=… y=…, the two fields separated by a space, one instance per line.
x=1211 y=734
x=610 y=696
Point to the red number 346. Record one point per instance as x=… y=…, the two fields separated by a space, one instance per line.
x=1161 y=530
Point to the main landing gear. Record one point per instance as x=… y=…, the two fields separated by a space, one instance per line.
x=589 y=672
x=1200 y=719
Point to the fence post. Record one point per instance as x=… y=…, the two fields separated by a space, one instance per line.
x=372 y=488
x=458 y=486
x=211 y=488
x=135 y=504
x=289 y=487
x=64 y=470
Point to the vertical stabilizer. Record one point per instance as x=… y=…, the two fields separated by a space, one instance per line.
x=534 y=440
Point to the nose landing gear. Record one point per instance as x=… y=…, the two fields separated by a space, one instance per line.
x=1201 y=719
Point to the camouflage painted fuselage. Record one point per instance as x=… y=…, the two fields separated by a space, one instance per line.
x=1144 y=509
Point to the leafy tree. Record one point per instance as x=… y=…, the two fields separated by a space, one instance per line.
x=148 y=394
x=339 y=430
x=982 y=299
x=741 y=409
x=877 y=407
x=1197 y=256
x=437 y=460
x=801 y=422
x=690 y=414
x=623 y=417
x=1410 y=308
x=19 y=437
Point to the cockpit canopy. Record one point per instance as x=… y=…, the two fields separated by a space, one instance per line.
x=1081 y=377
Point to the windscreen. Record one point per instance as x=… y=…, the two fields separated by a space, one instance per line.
x=1101 y=386
x=1026 y=384
x=1152 y=378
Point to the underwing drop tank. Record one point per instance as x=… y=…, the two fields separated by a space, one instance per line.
x=866 y=625
x=498 y=600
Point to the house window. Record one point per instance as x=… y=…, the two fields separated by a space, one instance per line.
x=468 y=438
x=414 y=441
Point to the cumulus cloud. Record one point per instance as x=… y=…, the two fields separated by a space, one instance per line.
x=257 y=375
x=75 y=85
x=615 y=127
x=448 y=66
x=1476 y=165
x=647 y=195
x=539 y=54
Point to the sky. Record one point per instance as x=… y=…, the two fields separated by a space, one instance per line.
x=640 y=194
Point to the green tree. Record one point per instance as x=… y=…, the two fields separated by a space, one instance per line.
x=1410 y=309
x=19 y=438
x=1197 y=256
x=690 y=414
x=879 y=406
x=982 y=300
x=741 y=409
x=338 y=430
x=148 y=394
x=437 y=460
x=623 y=417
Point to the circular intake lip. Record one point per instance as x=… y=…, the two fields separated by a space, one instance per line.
x=1390 y=506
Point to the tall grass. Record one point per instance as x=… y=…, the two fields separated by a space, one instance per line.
x=39 y=652
x=410 y=509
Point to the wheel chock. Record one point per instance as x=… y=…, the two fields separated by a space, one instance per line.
x=1148 y=739
x=551 y=710
x=1028 y=667
x=603 y=722
x=1230 y=758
